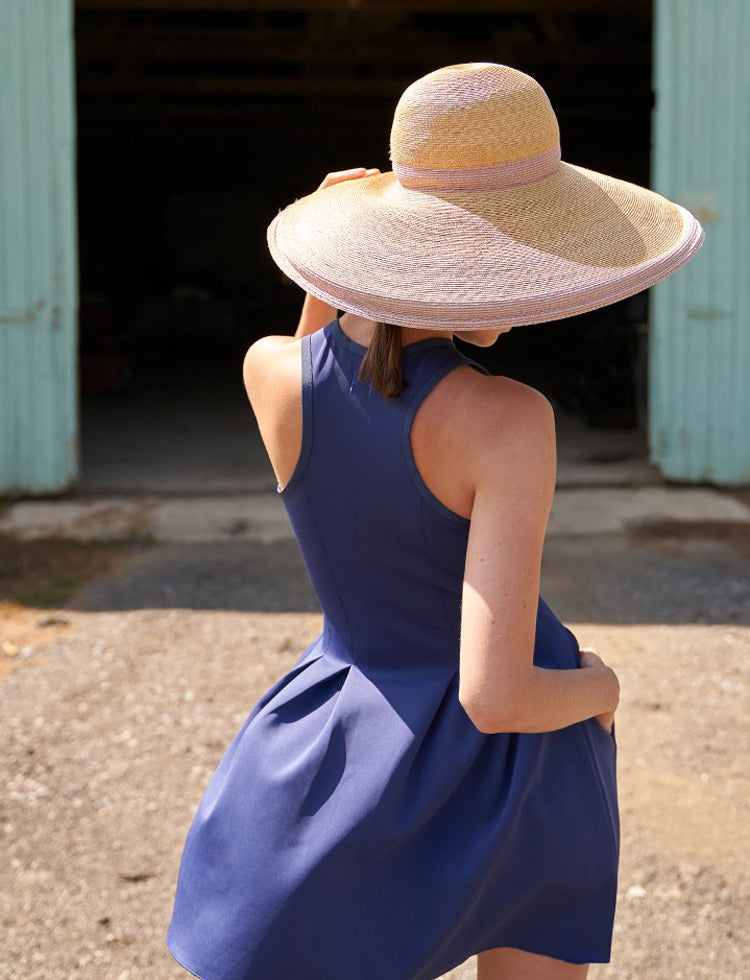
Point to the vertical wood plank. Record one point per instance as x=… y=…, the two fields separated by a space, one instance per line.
x=38 y=248
x=699 y=331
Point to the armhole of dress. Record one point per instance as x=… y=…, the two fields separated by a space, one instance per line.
x=421 y=393
x=304 y=455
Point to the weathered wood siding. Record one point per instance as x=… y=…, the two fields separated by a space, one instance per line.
x=38 y=248
x=699 y=339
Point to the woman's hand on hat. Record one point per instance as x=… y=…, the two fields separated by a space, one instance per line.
x=336 y=176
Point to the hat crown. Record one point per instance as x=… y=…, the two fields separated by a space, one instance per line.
x=477 y=124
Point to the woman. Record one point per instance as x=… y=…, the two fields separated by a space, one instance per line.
x=436 y=775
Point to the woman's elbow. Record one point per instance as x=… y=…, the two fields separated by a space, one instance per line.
x=490 y=720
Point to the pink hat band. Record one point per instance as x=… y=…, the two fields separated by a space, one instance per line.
x=496 y=176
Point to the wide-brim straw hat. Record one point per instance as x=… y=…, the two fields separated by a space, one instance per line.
x=480 y=224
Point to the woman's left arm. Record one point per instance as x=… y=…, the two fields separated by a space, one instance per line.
x=315 y=313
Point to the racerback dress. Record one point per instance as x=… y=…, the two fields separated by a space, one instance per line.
x=359 y=824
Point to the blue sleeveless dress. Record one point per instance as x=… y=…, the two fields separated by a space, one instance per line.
x=359 y=824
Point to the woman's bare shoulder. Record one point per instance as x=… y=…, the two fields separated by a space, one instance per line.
x=265 y=347
x=496 y=406
x=501 y=428
x=495 y=435
x=268 y=360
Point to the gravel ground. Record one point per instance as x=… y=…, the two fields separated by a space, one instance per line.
x=116 y=706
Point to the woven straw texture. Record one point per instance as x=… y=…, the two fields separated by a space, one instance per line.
x=480 y=223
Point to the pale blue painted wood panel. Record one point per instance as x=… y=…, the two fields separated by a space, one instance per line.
x=38 y=248
x=699 y=336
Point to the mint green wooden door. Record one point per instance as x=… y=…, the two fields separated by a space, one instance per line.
x=38 y=248
x=699 y=332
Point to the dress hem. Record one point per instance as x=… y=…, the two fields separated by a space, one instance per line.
x=180 y=960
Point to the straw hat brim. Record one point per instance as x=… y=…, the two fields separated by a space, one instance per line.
x=464 y=260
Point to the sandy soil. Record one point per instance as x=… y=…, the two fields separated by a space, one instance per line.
x=117 y=702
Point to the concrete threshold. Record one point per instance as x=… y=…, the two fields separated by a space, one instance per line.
x=262 y=516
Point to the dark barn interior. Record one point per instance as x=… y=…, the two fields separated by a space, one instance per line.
x=199 y=119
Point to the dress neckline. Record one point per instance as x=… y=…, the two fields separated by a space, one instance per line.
x=336 y=330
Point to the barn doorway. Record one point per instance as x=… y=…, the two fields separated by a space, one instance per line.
x=199 y=119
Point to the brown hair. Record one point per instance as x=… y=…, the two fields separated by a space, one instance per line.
x=381 y=364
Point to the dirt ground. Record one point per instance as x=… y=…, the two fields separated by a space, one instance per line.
x=127 y=668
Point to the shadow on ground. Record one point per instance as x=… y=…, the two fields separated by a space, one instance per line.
x=653 y=575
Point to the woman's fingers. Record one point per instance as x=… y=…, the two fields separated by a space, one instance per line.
x=336 y=176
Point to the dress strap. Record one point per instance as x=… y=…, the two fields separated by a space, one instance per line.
x=305 y=449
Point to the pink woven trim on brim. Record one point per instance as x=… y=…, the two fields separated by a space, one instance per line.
x=497 y=176
x=541 y=308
